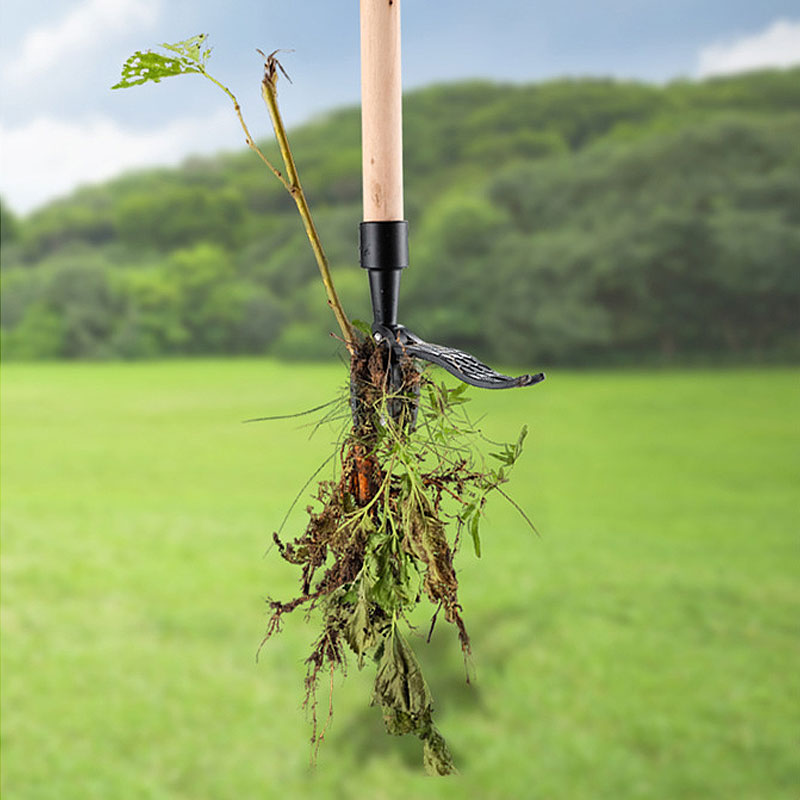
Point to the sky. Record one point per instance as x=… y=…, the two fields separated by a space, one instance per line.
x=61 y=126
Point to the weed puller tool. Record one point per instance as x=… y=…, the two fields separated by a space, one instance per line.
x=376 y=542
x=384 y=233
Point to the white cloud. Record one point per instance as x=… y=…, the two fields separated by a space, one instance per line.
x=775 y=46
x=48 y=157
x=87 y=25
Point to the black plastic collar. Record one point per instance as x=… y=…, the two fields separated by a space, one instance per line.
x=384 y=245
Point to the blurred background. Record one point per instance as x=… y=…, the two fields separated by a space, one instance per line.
x=610 y=190
x=643 y=209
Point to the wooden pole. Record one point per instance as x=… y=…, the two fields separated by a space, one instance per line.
x=381 y=111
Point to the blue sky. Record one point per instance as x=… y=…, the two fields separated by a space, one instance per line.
x=60 y=125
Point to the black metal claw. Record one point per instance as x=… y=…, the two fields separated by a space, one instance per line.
x=465 y=367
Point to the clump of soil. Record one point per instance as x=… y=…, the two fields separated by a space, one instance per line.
x=376 y=541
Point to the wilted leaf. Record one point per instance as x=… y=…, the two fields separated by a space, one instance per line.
x=407 y=703
x=360 y=633
x=399 y=684
x=436 y=754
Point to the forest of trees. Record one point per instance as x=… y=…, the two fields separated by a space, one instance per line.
x=571 y=222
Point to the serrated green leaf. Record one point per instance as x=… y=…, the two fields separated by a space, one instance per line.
x=143 y=67
x=191 y=49
x=389 y=583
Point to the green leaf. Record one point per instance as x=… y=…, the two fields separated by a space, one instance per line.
x=511 y=452
x=191 y=49
x=455 y=396
x=469 y=508
x=504 y=455
x=520 y=440
x=434 y=398
x=362 y=326
x=143 y=67
x=473 y=529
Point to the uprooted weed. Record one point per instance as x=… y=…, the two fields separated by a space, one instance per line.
x=376 y=539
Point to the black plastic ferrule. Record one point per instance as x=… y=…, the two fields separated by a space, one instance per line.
x=384 y=245
x=384 y=253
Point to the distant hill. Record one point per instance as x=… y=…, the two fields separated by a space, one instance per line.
x=573 y=221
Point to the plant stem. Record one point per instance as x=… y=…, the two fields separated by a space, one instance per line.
x=248 y=138
x=269 y=93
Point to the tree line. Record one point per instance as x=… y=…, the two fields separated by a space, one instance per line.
x=573 y=221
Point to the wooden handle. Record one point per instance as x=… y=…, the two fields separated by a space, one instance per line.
x=381 y=110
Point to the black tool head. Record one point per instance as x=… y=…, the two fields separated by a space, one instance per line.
x=384 y=254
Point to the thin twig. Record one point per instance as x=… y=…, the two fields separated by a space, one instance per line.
x=248 y=138
x=300 y=493
x=519 y=508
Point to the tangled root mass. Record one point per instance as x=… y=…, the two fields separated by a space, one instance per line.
x=376 y=541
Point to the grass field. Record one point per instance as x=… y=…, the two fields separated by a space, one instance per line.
x=646 y=646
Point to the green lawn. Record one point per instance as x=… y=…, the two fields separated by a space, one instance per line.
x=646 y=646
